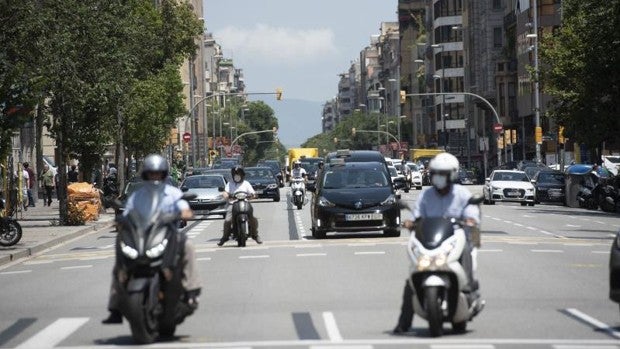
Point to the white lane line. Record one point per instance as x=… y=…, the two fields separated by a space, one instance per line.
x=576 y=244
x=573 y=226
x=77 y=267
x=106 y=247
x=528 y=216
x=547 y=251
x=37 y=262
x=308 y=246
x=254 y=257
x=517 y=224
x=53 y=334
x=94 y=258
x=203 y=259
x=332 y=329
x=546 y=232
x=310 y=254
x=599 y=325
x=599 y=222
x=530 y=228
x=562 y=346
x=369 y=252
x=362 y=244
x=491 y=250
x=15 y=272
x=508 y=222
x=342 y=346
x=462 y=346
x=601 y=252
x=496 y=219
x=487 y=216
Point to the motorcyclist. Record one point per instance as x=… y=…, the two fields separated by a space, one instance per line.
x=406 y=171
x=445 y=199
x=238 y=184
x=298 y=171
x=154 y=172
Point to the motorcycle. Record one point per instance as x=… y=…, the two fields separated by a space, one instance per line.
x=149 y=251
x=436 y=275
x=298 y=188
x=110 y=192
x=10 y=229
x=242 y=211
x=586 y=198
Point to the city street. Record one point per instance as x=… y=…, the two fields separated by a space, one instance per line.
x=543 y=271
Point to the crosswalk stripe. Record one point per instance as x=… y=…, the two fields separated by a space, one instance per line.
x=53 y=334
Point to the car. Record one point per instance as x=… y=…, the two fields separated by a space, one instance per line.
x=550 y=186
x=509 y=186
x=209 y=197
x=275 y=167
x=264 y=182
x=354 y=197
x=415 y=175
x=614 y=270
x=220 y=171
x=398 y=180
x=467 y=177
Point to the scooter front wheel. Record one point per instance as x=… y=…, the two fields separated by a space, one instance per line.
x=432 y=303
x=137 y=315
x=10 y=233
x=242 y=234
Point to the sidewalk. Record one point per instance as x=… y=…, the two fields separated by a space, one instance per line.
x=39 y=233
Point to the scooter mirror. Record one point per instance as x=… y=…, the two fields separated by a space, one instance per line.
x=609 y=200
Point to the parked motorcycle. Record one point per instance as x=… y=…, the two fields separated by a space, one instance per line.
x=10 y=229
x=437 y=276
x=149 y=249
x=298 y=190
x=110 y=191
x=242 y=211
x=586 y=198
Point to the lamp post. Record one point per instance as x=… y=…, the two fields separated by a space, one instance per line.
x=536 y=85
x=414 y=122
x=443 y=99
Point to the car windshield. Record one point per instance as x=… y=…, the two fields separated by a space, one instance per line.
x=613 y=159
x=550 y=178
x=347 y=177
x=511 y=176
x=413 y=167
x=393 y=172
x=204 y=182
x=258 y=173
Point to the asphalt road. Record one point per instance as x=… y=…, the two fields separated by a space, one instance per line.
x=543 y=272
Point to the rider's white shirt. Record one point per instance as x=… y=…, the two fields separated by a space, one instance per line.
x=232 y=187
x=298 y=172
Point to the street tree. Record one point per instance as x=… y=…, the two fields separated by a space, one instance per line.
x=580 y=69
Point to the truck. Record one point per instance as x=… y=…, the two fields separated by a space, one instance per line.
x=295 y=154
x=424 y=155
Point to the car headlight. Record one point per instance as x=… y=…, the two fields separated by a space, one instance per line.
x=129 y=251
x=495 y=188
x=157 y=250
x=272 y=186
x=391 y=200
x=325 y=203
x=530 y=190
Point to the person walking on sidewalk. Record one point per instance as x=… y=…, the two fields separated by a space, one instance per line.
x=31 y=183
x=47 y=178
x=72 y=175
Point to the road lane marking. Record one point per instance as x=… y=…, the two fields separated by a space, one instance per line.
x=94 y=258
x=462 y=346
x=599 y=325
x=308 y=246
x=601 y=252
x=341 y=346
x=15 y=272
x=599 y=222
x=77 y=267
x=37 y=262
x=203 y=259
x=332 y=329
x=496 y=219
x=491 y=250
x=363 y=244
x=254 y=257
x=531 y=228
x=53 y=334
x=573 y=226
x=517 y=224
x=563 y=346
x=310 y=254
x=547 y=251
x=508 y=222
x=369 y=252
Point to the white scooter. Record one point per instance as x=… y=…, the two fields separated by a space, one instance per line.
x=436 y=275
x=298 y=192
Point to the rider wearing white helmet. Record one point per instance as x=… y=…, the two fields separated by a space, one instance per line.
x=445 y=198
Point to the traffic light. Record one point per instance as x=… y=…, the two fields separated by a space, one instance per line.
x=513 y=137
x=538 y=135
x=561 y=138
x=353 y=131
x=506 y=136
x=500 y=142
x=403 y=97
x=279 y=94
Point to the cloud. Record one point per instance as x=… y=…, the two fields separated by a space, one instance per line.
x=278 y=45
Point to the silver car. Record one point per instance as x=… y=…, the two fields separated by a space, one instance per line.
x=208 y=189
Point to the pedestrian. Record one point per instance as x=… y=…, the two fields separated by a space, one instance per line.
x=24 y=188
x=31 y=184
x=72 y=175
x=47 y=179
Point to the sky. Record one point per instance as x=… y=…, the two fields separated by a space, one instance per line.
x=300 y=46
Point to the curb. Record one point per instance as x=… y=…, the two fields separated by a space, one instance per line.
x=27 y=252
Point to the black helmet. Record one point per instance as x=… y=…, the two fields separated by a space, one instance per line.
x=237 y=170
x=154 y=163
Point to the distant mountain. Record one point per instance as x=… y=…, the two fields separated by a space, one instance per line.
x=298 y=120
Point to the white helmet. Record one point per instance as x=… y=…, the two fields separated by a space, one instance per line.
x=444 y=164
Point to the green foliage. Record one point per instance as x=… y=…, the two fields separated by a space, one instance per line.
x=580 y=69
x=342 y=136
x=259 y=117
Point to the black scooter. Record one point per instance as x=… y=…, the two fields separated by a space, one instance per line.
x=242 y=211
x=149 y=255
x=10 y=230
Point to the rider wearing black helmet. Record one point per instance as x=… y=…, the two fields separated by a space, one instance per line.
x=238 y=183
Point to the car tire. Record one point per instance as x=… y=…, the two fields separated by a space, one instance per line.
x=419 y=188
x=524 y=204
x=276 y=199
x=318 y=234
x=491 y=202
x=531 y=204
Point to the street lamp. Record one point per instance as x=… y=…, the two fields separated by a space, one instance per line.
x=443 y=74
x=536 y=85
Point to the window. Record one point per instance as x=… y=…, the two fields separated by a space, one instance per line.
x=497 y=4
x=497 y=37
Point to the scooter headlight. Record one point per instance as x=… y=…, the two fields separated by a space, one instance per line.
x=129 y=251
x=424 y=262
x=157 y=250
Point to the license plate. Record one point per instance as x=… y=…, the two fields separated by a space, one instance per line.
x=513 y=193
x=258 y=192
x=363 y=217
x=555 y=192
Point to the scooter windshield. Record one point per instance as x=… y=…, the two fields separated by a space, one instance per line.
x=432 y=231
x=146 y=207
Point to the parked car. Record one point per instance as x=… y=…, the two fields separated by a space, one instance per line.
x=550 y=186
x=264 y=182
x=509 y=186
x=208 y=189
x=352 y=197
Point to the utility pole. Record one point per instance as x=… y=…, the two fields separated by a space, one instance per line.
x=536 y=84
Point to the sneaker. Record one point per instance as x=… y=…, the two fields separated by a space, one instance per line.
x=221 y=242
x=258 y=240
x=399 y=331
x=191 y=298
x=115 y=317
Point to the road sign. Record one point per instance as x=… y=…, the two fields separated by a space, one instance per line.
x=498 y=128
x=187 y=137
